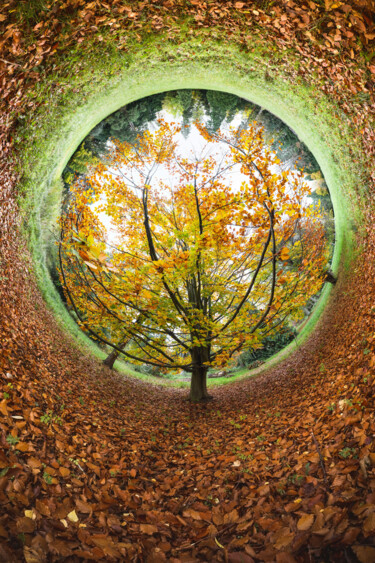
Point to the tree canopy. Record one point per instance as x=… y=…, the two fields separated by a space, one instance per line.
x=181 y=261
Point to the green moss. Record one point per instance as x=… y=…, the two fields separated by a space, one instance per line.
x=91 y=85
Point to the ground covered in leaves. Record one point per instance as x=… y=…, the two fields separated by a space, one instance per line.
x=97 y=467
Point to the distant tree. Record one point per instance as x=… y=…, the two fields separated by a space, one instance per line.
x=270 y=346
x=172 y=104
x=125 y=124
x=221 y=104
x=187 y=102
x=290 y=150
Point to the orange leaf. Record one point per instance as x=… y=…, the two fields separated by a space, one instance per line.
x=64 y=471
x=3 y=408
x=23 y=446
x=284 y=253
x=365 y=553
x=305 y=522
x=148 y=529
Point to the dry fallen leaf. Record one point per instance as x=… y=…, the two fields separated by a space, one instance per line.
x=305 y=522
x=148 y=529
x=72 y=516
x=365 y=553
x=64 y=471
x=33 y=555
x=30 y=514
x=369 y=524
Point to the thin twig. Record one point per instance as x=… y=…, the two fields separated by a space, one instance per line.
x=10 y=63
x=320 y=457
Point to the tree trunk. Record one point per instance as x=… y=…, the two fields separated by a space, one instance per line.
x=112 y=357
x=198 y=386
x=330 y=277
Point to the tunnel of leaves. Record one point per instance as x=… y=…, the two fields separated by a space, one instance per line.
x=95 y=466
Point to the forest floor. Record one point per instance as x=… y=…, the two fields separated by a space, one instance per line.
x=279 y=468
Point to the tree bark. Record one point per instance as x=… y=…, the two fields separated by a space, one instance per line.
x=198 y=386
x=330 y=277
x=112 y=357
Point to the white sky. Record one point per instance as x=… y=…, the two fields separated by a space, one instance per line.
x=194 y=144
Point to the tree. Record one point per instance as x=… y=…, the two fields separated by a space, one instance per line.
x=221 y=105
x=167 y=252
x=115 y=353
x=289 y=149
x=124 y=124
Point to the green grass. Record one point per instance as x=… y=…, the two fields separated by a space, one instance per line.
x=126 y=369
x=238 y=374
x=91 y=84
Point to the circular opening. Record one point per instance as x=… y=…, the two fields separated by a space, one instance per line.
x=201 y=159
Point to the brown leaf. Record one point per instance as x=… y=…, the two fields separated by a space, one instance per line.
x=293 y=506
x=305 y=522
x=365 y=553
x=264 y=490
x=282 y=538
x=239 y=557
x=148 y=529
x=285 y=557
x=26 y=525
x=33 y=555
x=369 y=523
x=34 y=462
x=94 y=467
x=190 y=513
x=232 y=517
x=42 y=507
x=269 y=524
x=82 y=506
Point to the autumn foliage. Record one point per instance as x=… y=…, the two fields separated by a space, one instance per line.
x=99 y=467
x=201 y=266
